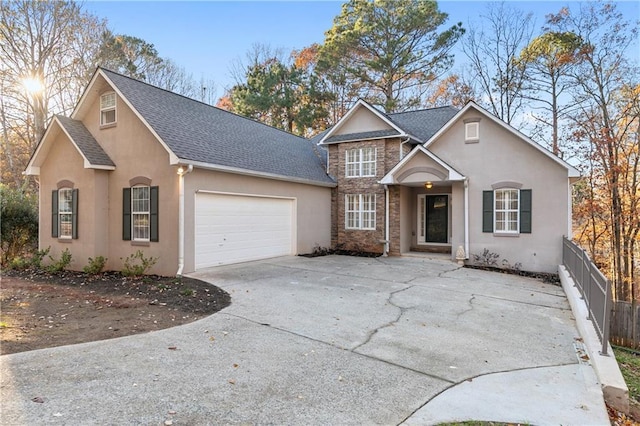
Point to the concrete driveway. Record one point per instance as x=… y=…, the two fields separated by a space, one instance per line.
x=329 y=340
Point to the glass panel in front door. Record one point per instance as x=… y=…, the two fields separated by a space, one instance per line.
x=437 y=219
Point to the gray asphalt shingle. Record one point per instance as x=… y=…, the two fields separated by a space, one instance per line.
x=195 y=131
x=423 y=123
x=90 y=148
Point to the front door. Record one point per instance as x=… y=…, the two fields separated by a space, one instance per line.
x=437 y=219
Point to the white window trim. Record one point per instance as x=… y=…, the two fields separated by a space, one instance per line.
x=360 y=162
x=506 y=212
x=113 y=108
x=359 y=212
x=135 y=213
x=68 y=213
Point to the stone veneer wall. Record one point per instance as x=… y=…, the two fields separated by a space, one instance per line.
x=365 y=240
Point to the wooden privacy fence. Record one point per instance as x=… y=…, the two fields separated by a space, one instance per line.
x=624 y=330
x=594 y=288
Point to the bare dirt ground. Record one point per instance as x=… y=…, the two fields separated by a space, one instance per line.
x=40 y=310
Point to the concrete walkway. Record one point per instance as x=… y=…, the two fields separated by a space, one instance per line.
x=328 y=340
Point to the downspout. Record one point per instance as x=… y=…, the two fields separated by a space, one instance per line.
x=402 y=143
x=181 y=173
x=466 y=218
x=385 y=252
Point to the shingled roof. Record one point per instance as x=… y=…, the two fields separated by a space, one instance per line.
x=419 y=125
x=85 y=142
x=423 y=123
x=201 y=133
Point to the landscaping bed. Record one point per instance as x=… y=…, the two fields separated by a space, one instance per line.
x=41 y=309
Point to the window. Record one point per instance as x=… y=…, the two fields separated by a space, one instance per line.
x=107 y=109
x=140 y=213
x=64 y=213
x=361 y=162
x=472 y=131
x=360 y=211
x=506 y=211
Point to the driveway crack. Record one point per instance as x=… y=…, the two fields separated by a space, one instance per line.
x=391 y=323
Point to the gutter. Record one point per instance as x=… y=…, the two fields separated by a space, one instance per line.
x=181 y=173
x=402 y=143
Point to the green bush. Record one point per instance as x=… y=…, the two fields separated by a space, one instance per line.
x=18 y=223
x=137 y=264
x=95 y=266
x=61 y=264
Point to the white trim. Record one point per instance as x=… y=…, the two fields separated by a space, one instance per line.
x=245 y=172
x=389 y=178
x=572 y=171
x=359 y=104
x=466 y=218
x=506 y=211
x=360 y=212
x=421 y=225
x=360 y=162
x=114 y=108
x=181 y=219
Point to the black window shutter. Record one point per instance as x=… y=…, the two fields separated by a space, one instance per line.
x=74 y=214
x=126 y=214
x=153 y=219
x=54 y=214
x=525 y=211
x=487 y=211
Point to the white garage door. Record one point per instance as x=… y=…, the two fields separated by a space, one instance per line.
x=238 y=228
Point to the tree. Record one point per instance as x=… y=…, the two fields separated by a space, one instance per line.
x=492 y=53
x=451 y=91
x=549 y=59
x=281 y=95
x=391 y=48
x=607 y=120
x=46 y=48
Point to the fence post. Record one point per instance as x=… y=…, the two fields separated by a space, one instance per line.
x=606 y=324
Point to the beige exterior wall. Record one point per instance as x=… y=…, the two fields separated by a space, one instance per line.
x=500 y=156
x=313 y=206
x=362 y=120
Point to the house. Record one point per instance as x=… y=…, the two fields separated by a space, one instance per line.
x=447 y=180
x=136 y=167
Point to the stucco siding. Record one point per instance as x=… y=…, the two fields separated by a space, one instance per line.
x=65 y=163
x=135 y=152
x=500 y=156
x=313 y=206
x=362 y=120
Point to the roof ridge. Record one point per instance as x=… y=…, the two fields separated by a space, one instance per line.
x=423 y=109
x=200 y=102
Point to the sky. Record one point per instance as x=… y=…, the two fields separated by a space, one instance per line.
x=206 y=37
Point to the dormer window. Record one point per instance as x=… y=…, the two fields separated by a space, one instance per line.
x=108 y=109
x=472 y=130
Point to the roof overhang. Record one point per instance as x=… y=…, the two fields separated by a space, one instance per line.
x=401 y=133
x=39 y=155
x=253 y=173
x=403 y=173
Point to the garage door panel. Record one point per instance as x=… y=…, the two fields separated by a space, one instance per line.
x=235 y=228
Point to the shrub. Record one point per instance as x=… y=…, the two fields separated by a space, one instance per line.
x=487 y=258
x=61 y=264
x=38 y=257
x=95 y=266
x=18 y=223
x=137 y=264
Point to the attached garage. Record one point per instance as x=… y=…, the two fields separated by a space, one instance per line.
x=234 y=228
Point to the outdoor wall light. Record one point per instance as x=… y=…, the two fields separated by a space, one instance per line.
x=180 y=170
x=428 y=185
